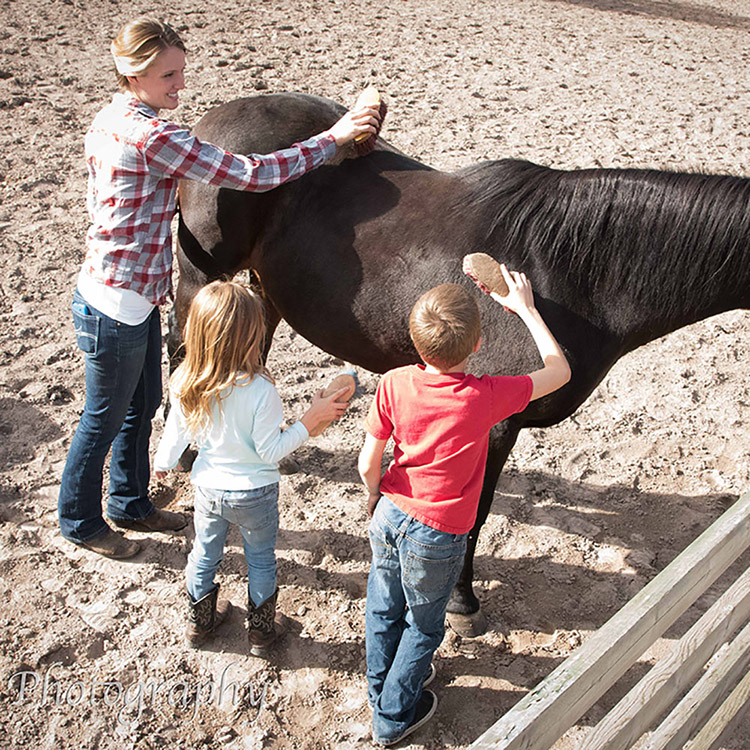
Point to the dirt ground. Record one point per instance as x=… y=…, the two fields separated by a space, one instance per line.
x=91 y=650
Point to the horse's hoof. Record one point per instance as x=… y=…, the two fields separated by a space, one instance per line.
x=468 y=626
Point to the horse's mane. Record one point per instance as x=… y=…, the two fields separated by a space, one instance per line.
x=666 y=235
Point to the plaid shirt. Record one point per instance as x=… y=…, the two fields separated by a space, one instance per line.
x=134 y=162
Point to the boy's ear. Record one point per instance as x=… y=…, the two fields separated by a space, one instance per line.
x=477 y=345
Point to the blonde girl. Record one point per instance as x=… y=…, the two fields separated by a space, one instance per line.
x=135 y=157
x=224 y=399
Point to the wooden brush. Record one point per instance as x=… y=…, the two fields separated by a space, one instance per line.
x=344 y=380
x=485 y=272
x=370 y=97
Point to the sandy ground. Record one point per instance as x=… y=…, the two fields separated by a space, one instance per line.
x=586 y=512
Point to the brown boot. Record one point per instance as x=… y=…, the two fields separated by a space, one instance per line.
x=264 y=625
x=112 y=544
x=159 y=520
x=204 y=616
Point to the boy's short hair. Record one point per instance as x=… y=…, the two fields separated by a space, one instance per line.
x=444 y=325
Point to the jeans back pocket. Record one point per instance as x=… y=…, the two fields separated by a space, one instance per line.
x=86 y=326
x=432 y=576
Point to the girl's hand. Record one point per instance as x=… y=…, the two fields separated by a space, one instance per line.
x=324 y=409
x=520 y=295
x=356 y=122
x=161 y=475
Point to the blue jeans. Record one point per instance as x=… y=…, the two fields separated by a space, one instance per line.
x=256 y=512
x=414 y=567
x=123 y=392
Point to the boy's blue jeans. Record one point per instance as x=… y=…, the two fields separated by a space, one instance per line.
x=414 y=567
x=123 y=392
x=256 y=512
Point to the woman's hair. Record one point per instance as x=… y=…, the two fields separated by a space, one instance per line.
x=224 y=338
x=138 y=44
x=444 y=325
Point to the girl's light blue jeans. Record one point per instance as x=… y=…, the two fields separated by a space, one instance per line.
x=414 y=567
x=256 y=513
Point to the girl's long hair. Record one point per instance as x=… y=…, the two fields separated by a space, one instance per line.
x=224 y=341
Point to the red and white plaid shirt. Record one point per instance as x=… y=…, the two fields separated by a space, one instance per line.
x=134 y=161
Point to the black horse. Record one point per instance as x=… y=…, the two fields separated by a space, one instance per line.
x=617 y=258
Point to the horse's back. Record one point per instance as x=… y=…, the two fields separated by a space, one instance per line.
x=356 y=243
x=268 y=122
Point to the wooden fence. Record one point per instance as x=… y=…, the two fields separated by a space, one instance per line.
x=711 y=657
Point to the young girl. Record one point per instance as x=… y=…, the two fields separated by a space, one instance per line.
x=224 y=399
x=135 y=158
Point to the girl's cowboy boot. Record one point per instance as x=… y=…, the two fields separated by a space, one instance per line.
x=264 y=625
x=204 y=616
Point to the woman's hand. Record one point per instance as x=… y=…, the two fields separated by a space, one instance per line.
x=356 y=122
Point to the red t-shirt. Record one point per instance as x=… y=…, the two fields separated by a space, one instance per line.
x=440 y=424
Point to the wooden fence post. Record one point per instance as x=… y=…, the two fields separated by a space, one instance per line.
x=553 y=706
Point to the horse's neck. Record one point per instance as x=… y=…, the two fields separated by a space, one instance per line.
x=680 y=266
x=635 y=324
x=640 y=253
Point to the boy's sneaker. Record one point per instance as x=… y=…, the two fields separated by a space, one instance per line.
x=425 y=709
x=431 y=674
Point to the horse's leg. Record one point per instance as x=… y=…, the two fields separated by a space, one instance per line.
x=192 y=279
x=287 y=465
x=272 y=314
x=464 y=611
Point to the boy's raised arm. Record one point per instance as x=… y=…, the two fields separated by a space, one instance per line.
x=520 y=299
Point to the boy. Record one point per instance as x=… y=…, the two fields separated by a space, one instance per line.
x=426 y=502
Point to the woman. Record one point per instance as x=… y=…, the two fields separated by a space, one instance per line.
x=135 y=158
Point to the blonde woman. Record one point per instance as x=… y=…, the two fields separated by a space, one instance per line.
x=224 y=399
x=135 y=157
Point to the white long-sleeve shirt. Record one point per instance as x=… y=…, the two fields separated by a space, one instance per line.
x=243 y=444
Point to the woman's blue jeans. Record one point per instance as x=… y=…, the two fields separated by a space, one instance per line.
x=256 y=512
x=414 y=567
x=123 y=392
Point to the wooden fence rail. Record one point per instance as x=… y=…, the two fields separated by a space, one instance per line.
x=538 y=720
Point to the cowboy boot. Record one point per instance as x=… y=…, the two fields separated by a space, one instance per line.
x=264 y=625
x=204 y=616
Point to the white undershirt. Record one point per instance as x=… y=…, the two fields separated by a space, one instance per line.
x=123 y=305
